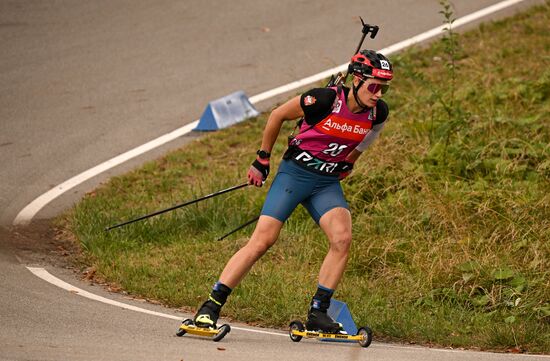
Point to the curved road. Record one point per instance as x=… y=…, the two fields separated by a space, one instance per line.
x=82 y=82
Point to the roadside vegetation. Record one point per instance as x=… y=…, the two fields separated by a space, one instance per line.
x=451 y=207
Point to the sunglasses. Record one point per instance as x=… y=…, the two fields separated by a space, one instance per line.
x=375 y=88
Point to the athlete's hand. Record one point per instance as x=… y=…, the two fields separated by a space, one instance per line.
x=258 y=172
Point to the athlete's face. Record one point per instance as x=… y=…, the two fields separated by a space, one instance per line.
x=371 y=91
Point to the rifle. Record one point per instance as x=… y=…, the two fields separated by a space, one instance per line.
x=339 y=78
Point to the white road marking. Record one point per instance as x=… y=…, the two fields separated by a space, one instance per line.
x=25 y=216
x=48 y=277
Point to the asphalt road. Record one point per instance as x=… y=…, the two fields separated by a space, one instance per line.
x=82 y=82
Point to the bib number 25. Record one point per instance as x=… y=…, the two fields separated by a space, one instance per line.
x=334 y=149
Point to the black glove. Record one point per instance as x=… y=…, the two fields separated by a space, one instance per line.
x=258 y=172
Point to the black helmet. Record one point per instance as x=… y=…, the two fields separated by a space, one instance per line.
x=370 y=64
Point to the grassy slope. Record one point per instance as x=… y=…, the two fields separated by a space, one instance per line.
x=451 y=214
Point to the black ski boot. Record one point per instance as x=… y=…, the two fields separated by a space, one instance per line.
x=318 y=320
x=209 y=312
x=207 y=315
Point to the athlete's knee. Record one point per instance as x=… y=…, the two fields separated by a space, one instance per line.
x=341 y=242
x=337 y=226
x=262 y=239
x=258 y=246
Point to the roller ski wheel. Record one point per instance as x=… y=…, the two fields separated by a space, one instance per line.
x=222 y=331
x=295 y=328
x=182 y=330
x=366 y=334
x=297 y=331
x=188 y=326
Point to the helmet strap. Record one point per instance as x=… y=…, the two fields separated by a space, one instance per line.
x=356 y=97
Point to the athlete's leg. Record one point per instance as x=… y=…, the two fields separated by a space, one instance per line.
x=281 y=200
x=264 y=236
x=287 y=191
x=336 y=224
x=328 y=207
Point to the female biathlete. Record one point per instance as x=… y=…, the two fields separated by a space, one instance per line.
x=339 y=124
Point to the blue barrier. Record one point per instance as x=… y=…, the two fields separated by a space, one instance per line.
x=226 y=111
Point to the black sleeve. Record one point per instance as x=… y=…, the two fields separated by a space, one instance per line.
x=382 y=112
x=317 y=104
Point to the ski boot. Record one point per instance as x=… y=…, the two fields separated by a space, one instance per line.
x=318 y=320
x=319 y=325
x=204 y=323
x=207 y=315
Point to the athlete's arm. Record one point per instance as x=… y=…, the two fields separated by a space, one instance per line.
x=317 y=104
x=382 y=115
x=370 y=137
x=356 y=153
x=353 y=156
x=288 y=111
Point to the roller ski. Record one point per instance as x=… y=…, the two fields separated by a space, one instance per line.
x=320 y=326
x=188 y=326
x=204 y=323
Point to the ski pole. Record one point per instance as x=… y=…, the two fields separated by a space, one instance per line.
x=239 y=228
x=177 y=206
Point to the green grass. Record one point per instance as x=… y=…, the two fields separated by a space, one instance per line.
x=451 y=207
